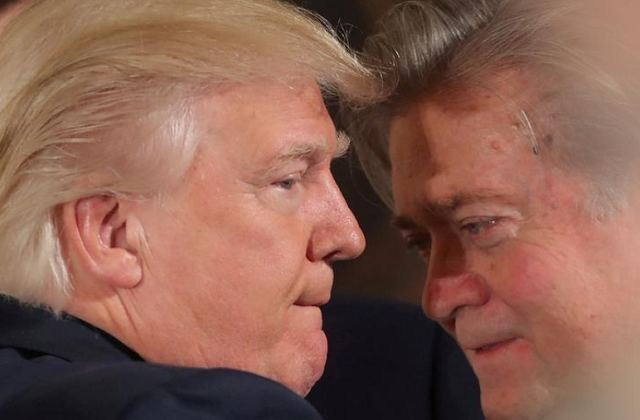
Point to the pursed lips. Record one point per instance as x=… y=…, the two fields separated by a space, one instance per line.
x=314 y=298
x=313 y=301
x=317 y=292
x=307 y=309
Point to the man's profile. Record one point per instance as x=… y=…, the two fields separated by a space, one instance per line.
x=165 y=182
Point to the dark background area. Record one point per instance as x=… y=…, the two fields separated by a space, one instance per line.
x=386 y=269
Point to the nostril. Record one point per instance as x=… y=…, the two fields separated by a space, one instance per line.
x=327 y=253
x=333 y=256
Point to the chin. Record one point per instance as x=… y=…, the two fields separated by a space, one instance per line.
x=505 y=411
x=307 y=366
x=516 y=404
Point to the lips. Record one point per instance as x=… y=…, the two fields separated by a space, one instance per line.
x=316 y=298
x=487 y=347
x=492 y=346
x=313 y=302
x=317 y=292
x=484 y=344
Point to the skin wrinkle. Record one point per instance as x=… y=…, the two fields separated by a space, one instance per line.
x=306 y=152
x=446 y=206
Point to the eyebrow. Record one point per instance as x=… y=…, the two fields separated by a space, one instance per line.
x=343 y=143
x=446 y=206
x=308 y=151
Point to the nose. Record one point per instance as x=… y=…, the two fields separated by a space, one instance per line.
x=450 y=286
x=337 y=235
x=444 y=296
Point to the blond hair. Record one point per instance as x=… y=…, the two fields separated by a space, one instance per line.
x=425 y=48
x=80 y=82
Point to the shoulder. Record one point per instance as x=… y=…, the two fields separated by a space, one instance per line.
x=63 y=369
x=48 y=387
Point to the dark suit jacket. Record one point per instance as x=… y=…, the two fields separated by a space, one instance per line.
x=386 y=362
x=66 y=369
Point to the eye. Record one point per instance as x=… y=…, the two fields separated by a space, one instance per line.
x=420 y=242
x=476 y=228
x=486 y=232
x=289 y=182
x=286 y=184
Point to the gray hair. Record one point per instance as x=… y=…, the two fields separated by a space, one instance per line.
x=79 y=81
x=425 y=48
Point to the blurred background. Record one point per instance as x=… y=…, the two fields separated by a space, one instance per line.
x=386 y=269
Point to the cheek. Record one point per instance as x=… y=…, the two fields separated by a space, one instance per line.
x=543 y=289
x=264 y=265
x=547 y=293
x=523 y=280
x=243 y=262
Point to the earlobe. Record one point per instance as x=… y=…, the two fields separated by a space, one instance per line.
x=95 y=232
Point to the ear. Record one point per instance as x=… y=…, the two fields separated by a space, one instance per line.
x=97 y=243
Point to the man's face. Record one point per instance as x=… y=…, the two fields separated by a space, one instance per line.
x=535 y=291
x=241 y=255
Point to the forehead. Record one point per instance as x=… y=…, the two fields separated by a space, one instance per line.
x=466 y=140
x=263 y=117
x=264 y=98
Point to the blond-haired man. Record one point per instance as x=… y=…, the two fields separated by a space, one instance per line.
x=165 y=188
